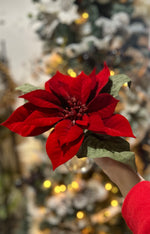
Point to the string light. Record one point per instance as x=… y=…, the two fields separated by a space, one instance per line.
x=85 y=15
x=57 y=189
x=83 y=18
x=47 y=184
x=107 y=213
x=80 y=214
x=114 y=203
x=114 y=189
x=69 y=187
x=62 y=188
x=71 y=72
x=108 y=186
x=75 y=185
x=125 y=84
x=112 y=73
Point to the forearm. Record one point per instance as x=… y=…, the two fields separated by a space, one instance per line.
x=123 y=176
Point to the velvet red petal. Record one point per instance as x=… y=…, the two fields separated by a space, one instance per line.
x=79 y=87
x=41 y=119
x=16 y=122
x=66 y=132
x=20 y=114
x=84 y=122
x=118 y=125
x=59 y=84
x=95 y=122
x=59 y=155
x=102 y=78
x=93 y=78
x=42 y=98
x=104 y=103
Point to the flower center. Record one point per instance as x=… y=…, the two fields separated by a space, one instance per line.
x=75 y=109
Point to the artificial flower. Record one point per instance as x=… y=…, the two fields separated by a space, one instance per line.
x=71 y=106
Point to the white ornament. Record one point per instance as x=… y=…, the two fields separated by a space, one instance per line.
x=121 y=18
x=75 y=49
x=66 y=11
x=69 y=16
x=110 y=26
x=86 y=29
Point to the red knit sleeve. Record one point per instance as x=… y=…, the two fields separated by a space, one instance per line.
x=136 y=208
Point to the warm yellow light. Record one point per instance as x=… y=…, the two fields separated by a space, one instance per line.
x=114 y=189
x=75 y=184
x=47 y=184
x=62 y=188
x=108 y=186
x=71 y=72
x=107 y=213
x=57 y=189
x=114 y=203
x=79 y=21
x=85 y=15
x=112 y=73
x=69 y=187
x=80 y=214
x=125 y=84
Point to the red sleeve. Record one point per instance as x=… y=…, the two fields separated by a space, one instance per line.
x=136 y=208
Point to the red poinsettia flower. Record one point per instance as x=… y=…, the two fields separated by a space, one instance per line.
x=71 y=105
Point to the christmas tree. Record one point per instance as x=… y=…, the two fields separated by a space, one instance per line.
x=81 y=35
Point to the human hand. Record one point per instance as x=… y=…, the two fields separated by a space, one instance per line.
x=121 y=174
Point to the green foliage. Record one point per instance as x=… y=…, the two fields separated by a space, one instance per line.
x=118 y=7
x=66 y=32
x=93 y=13
x=117 y=82
x=97 y=145
x=26 y=88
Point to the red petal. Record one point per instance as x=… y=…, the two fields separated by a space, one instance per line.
x=16 y=122
x=84 y=122
x=59 y=155
x=118 y=125
x=67 y=86
x=42 y=98
x=81 y=87
x=59 y=84
x=93 y=78
x=102 y=78
x=20 y=114
x=105 y=105
x=66 y=132
x=41 y=119
x=95 y=122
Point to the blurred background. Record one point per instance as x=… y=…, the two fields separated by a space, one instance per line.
x=37 y=38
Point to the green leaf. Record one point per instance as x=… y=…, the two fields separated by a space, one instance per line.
x=97 y=146
x=117 y=82
x=26 y=88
